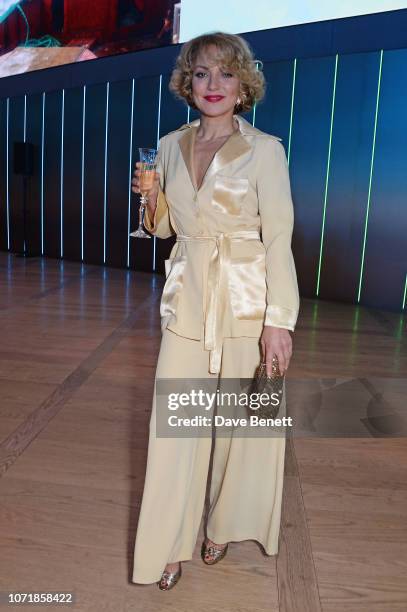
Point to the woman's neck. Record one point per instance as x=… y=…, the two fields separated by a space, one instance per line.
x=212 y=128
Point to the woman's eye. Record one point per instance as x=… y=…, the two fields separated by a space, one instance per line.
x=227 y=74
x=199 y=74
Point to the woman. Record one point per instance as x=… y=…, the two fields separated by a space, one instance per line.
x=230 y=298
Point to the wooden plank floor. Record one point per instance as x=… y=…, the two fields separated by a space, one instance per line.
x=78 y=347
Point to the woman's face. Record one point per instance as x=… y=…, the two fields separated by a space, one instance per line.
x=214 y=90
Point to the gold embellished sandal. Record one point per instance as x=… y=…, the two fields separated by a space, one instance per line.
x=168 y=580
x=214 y=551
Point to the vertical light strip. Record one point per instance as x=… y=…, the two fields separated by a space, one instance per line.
x=25 y=121
x=371 y=173
x=42 y=172
x=189 y=110
x=404 y=295
x=292 y=110
x=130 y=173
x=105 y=182
x=62 y=174
x=83 y=165
x=7 y=172
x=159 y=110
x=327 y=173
x=25 y=140
x=158 y=138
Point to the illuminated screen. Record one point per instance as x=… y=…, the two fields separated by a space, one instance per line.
x=238 y=16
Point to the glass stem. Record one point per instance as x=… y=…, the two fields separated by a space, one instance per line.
x=141 y=212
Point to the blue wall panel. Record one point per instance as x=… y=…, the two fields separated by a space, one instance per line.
x=308 y=162
x=386 y=254
x=72 y=173
x=52 y=173
x=117 y=183
x=16 y=134
x=173 y=112
x=34 y=135
x=94 y=172
x=348 y=179
x=274 y=111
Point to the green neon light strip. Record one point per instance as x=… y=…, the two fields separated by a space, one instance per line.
x=371 y=174
x=292 y=110
x=327 y=174
x=404 y=295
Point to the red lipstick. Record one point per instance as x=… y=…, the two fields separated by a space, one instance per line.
x=214 y=98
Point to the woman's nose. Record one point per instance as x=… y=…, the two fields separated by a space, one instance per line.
x=213 y=82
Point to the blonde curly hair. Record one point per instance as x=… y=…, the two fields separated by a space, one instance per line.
x=233 y=53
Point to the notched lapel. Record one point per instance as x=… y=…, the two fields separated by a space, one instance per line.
x=234 y=147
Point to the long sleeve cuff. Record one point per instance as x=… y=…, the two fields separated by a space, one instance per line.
x=281 y=317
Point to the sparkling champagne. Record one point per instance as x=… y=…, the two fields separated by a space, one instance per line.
x=146 y=179
x=148 y=159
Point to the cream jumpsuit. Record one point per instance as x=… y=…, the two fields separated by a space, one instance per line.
x=230 y=272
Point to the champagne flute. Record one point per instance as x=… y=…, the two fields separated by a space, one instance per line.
x=148 y=159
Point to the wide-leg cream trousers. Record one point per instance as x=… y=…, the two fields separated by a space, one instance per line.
x=247 y=472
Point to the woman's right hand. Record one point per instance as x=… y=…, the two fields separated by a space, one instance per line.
x=152 y=194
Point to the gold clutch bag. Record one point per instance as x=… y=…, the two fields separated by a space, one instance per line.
x=272 y=385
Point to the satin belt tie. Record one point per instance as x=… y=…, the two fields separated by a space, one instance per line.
x=217 y=290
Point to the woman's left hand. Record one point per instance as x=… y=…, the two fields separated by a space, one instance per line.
x=276 y=341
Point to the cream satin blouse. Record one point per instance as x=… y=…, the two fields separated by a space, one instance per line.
x=231 y=270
